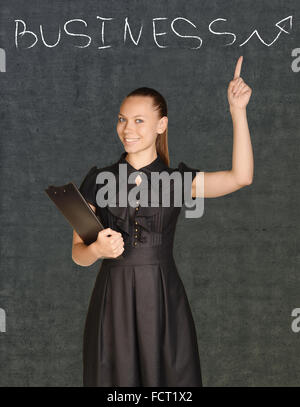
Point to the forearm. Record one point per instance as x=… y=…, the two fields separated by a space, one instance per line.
x=242 y=154
x=84 y=255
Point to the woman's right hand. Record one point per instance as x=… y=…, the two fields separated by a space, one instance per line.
x=108 y=246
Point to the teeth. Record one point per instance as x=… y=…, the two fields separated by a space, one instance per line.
x=131 y=139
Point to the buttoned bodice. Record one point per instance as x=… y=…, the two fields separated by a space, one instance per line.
x=141 y=226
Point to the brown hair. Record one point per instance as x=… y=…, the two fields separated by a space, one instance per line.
x=159 y=104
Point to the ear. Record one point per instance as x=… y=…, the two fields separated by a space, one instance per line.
x=162 y=125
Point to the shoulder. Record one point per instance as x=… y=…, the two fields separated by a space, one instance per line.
x=90 y=185
x=183 y=167
x=89 y=179
x=187 y=171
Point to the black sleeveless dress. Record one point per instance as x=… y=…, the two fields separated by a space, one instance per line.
x=139 y=329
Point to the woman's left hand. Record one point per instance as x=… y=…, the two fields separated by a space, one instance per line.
x=238 y=92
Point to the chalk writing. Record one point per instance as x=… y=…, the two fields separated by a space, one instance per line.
x=23 y=35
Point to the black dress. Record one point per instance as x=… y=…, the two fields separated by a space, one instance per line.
x=139 y=329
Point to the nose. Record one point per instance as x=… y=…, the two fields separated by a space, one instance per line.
x=129 y=126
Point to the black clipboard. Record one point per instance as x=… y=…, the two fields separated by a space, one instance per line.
x=77 y=211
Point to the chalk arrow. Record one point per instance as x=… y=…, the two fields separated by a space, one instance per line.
x=290 y=19
x=280 y=24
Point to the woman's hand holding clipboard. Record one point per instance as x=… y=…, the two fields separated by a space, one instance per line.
x=77 y=211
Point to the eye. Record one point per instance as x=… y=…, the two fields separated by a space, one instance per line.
x=120 y=119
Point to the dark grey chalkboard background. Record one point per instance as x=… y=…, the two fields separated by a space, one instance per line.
x=239 y=262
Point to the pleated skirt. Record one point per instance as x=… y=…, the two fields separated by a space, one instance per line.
x=139 y=329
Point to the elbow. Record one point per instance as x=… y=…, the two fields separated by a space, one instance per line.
x=249 y=181
x=242 y=180
x=73 y=255
x=80 y=264
x=74 y=260
x=245 y=182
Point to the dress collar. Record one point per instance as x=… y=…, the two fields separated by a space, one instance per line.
x=122 y=213
x=156 y=165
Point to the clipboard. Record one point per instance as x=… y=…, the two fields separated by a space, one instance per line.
x=77 y=211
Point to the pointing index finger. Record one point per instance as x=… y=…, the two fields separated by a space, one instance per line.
x=238 y=67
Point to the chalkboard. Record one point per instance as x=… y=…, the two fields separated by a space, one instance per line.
x=65 y=69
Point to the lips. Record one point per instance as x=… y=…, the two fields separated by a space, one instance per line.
x=131 y=140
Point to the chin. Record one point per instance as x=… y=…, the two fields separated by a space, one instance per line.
x=132 y=149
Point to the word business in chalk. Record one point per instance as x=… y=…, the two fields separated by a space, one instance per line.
x=163 y=31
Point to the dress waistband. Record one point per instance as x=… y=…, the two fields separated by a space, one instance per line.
x=142 y=256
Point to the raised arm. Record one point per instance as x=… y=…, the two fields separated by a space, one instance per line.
x=220 y=183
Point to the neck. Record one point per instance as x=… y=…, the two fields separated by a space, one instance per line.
x=141 y=159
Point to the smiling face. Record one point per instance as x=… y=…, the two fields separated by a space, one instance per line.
x=139 y=123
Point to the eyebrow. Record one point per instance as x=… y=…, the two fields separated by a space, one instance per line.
x=138 y=115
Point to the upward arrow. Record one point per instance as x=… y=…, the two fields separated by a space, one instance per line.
x=280 y=24
x=290 y=19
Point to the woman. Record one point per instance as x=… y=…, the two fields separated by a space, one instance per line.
x=139 y=329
